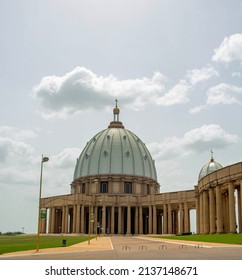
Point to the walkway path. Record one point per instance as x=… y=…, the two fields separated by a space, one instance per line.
x=134 y=248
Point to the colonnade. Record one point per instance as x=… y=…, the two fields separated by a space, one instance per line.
x=219 y=208
x=166 y=218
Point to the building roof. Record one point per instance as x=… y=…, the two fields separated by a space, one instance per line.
x=115 y=150
x=208 y=168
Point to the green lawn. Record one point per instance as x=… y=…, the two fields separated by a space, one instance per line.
x=28 y=242
x=215 y=238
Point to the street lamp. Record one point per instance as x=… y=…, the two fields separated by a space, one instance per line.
x=43 y=159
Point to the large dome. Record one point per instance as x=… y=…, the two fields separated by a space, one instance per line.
x=208 y=168
x=115 y=150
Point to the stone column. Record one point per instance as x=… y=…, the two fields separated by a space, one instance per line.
x=82 y=219
x=197 y=215
x=140 y=220
x=176 y=220
x=66 y=219
x=128 y=220
x=205 y=213
x=201 y=212
x=212 y=211
x=119 y=220
x=95 y=218
x=150 y=219
x=136 y=229
x=181 y=228
x=219 y=210
x=232 y=219
x=74 y=218
x=43 y=226
x=91 y=214
x=49 y=221
x=112 y=220
x=78 y=218
x=186 y=218
x=154 y=219
x=63 y=219
x=104 y=220
x=52 y=219
x=169 y=219
x=239 y=197
x=165 y=219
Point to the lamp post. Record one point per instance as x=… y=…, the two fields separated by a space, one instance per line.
x=43 y=159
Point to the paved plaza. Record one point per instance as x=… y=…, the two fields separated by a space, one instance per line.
x=134 y=248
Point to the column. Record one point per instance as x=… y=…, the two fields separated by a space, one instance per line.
x=205 y=213
x=186 y=218
x=95 y=219
x=181 y=218
x=201 y=212
x=154 y=219
x=197 y=215
x=219 y=209
x=169 y=219
x=104 y=220
x=239 y=208
x=63 y=219
x=43 y=226
x=212 y=211
x=150 y=219
x=140 y=220
x=232 y=219
x=136 y=226
x=90 y=217
x=176 y=220
x=165 y=219
x=112 y=220
x=128 y=220
x=52 y=219
x=78 y=218
x=119 y=220
x=74 y=218
x=82 y=219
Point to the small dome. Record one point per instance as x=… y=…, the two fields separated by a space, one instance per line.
x=208 y=168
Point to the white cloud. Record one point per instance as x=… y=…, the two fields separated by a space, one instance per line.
x=179 y=94
x=176 y=95
x=199 y=75
x=229 y=50
x=196 y=140
x=10 y=148
x=221 y=94
x=236 y=74
x=82 y=89
x=13 y=146
x=66 y=158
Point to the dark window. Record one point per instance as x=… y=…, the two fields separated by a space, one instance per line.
x=128 y=187
x=148 y=189
x=104 y=187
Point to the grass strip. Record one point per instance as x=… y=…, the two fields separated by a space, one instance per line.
x=214 y=238
x=24 y=242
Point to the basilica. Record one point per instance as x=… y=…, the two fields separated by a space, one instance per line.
x=115 y=191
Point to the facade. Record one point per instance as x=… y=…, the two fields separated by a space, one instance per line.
x=115 y=191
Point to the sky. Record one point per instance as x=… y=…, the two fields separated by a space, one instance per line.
x=175 y=67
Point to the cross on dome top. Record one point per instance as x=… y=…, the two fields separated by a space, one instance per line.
x=116 y=123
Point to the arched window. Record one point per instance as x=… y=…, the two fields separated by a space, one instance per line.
x=104 y=187
x=128 y=187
